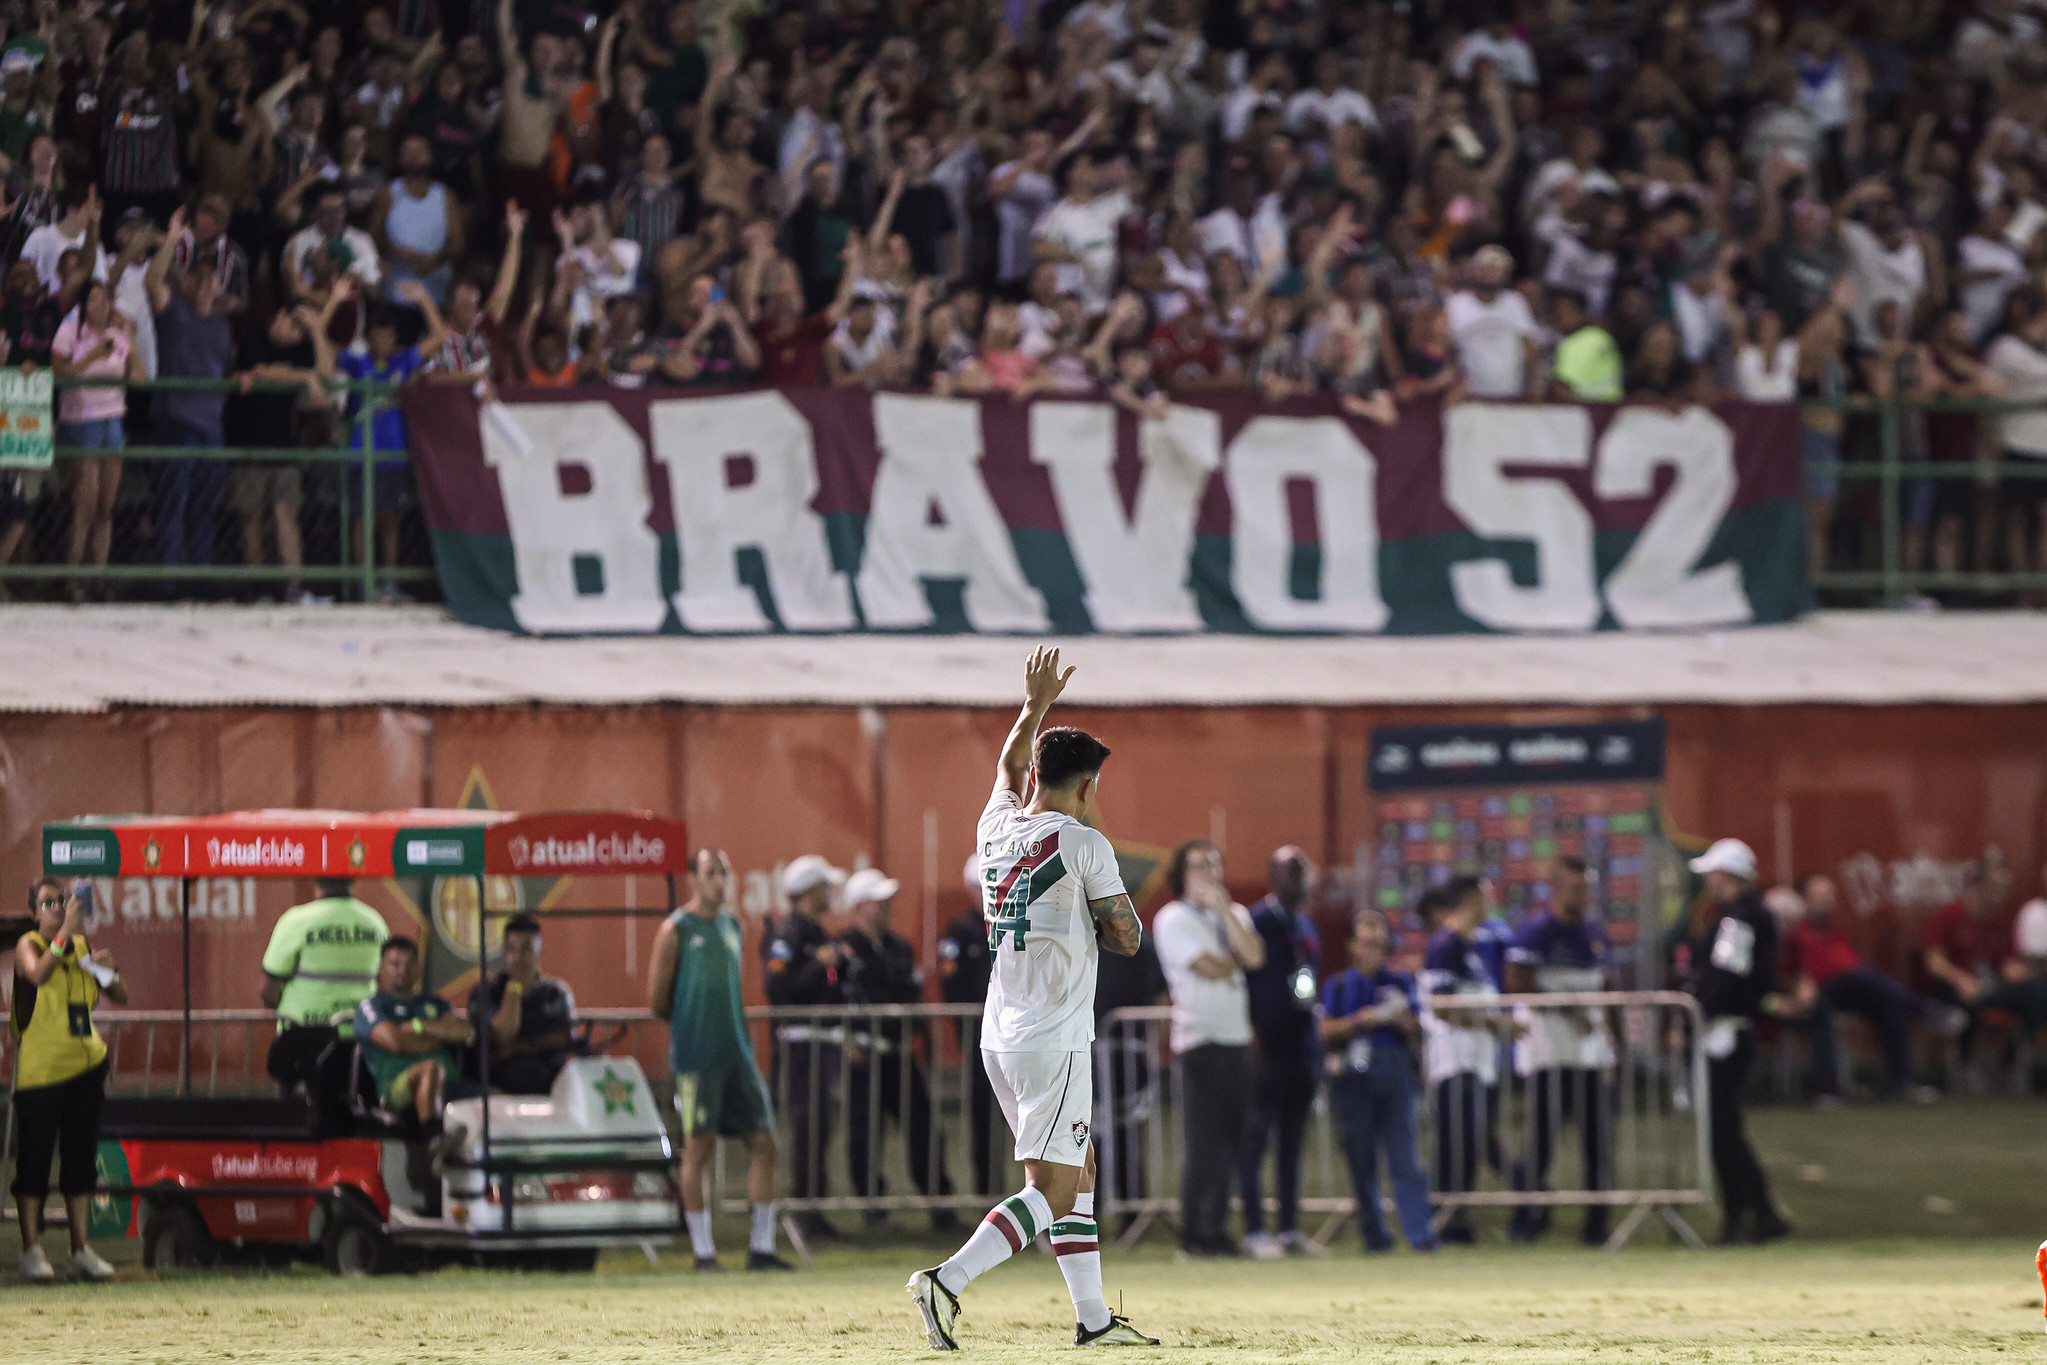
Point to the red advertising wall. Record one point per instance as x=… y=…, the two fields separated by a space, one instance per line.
x=1891 y=798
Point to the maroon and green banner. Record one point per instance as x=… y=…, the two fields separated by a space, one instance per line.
x=604 y=510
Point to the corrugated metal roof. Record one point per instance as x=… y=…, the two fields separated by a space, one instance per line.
x=89 y=659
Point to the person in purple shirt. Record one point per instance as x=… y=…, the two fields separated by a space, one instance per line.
x=1369 y=1026
x=1567 y=1054
x=1282 y=1000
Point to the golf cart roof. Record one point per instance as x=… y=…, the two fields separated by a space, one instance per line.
x=398 y=843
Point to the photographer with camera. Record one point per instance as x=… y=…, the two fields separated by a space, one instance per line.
x=60 y=1070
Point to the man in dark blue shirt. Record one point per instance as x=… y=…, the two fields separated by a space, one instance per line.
x=1370 y=1028
x=1566 y=1054
x=1461 y=1055
x=1282 y=1000
x=193 y=341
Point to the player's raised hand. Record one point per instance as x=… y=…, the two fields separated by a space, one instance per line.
x=1043 y=680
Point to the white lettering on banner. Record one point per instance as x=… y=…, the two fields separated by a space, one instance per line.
x=1267 y=454
x=1480 y=438
x=552 y=529
x=256 y=852
x=261 y=1165
x=592 y=850
x=695 y=439
x=1655 y=585
x=1135 y=569
x=930 y=462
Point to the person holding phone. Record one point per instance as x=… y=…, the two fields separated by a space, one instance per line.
x=60 y=1070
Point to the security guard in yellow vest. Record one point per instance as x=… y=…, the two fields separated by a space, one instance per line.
x=321 y=962
x=60 y=1072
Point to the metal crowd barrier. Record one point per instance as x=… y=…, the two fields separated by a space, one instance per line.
x=1630 y=1136
x=353 y=455
x=886 y=1110
x=1891 y=472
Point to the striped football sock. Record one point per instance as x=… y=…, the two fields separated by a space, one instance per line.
x=1077 y=1243
x=1009 y=1227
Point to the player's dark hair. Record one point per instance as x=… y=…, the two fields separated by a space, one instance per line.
x=332 y=886
x=1063 y=753
x=1458 y=890
x=696 y=859
x=521 y=924
x=1176 y=866
x=397 y=943
x=1433 y=902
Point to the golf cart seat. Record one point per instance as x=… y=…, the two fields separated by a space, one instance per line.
x=372 y=1117
x=166 y=1119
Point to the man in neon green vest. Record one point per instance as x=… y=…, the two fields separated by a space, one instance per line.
x=321 y=962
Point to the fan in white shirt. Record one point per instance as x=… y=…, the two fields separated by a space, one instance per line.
x=1765 y=361
x=1329 y=101
x=1990 y=269
x=1079 y=232
x=79 y=224
x=1499 y=45
x=1494 y=328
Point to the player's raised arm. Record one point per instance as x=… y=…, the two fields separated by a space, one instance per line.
x=1043 y=682
x=1117 y=927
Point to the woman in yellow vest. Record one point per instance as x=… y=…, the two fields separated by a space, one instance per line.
x=60 y=1071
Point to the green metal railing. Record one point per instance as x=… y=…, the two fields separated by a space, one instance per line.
x=357 y=561
x=1892 y=581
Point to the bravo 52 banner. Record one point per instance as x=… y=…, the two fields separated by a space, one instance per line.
x=589 y=510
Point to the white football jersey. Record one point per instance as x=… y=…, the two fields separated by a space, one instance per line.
x=1038 y=873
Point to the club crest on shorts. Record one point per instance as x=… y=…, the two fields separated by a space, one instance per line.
x=1079 y=1133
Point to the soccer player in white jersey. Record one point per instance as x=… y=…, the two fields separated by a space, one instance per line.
x=1050 y=893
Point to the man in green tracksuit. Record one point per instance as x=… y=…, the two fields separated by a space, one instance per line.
x=695 y=986
x=321 y=962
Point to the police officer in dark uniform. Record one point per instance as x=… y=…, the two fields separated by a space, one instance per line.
x=881 y=969
x=1730 y=964
x=802 y=965
x=964 y=967
x=1282 y=997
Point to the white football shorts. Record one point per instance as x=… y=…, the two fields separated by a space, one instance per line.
x=1048 y=1099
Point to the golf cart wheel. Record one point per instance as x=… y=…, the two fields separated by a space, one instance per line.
x=175 y=1238
x=355 y=1246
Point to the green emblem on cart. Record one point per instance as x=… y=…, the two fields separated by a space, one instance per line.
x=616 y=1092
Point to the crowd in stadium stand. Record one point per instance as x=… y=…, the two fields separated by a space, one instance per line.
x=1140 y=198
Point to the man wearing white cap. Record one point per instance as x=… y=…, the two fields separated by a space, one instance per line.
x=885 y=1082
x=1495 y=330
x=1730 y=964
x=801 y=964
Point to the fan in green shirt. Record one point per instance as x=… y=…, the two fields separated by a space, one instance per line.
x=1588 y=362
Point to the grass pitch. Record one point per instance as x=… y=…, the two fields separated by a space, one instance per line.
x=1916 y=1235
x=1834 y=1303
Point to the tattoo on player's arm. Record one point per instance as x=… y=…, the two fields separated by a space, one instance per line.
x=1116 y=925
